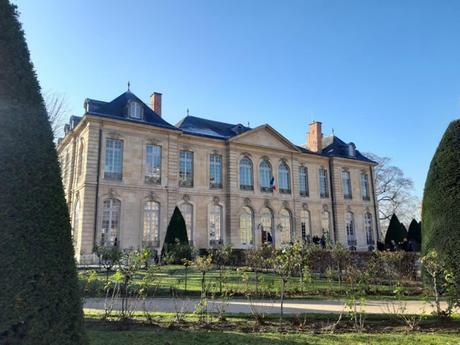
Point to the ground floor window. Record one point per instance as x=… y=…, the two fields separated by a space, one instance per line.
x=151 y=235
x=266 y=225
x=187 y=212
x=215 y=224
x=110 y=222
x=246 y=226
x=285 y=226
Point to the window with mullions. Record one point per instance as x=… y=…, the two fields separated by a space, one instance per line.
x=151 y=235
x=265 y=175
x=246 y=177
x=284 y=178
x=303 y=181
x=346 y=184
x=323 y=185
x=365 y=186
x=153 y=164
x=113 y=159
x=215 y=171
x=110 y=222
x=186 y=169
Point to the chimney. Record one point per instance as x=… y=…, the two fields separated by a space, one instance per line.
x=155 y=102
x=315 y=137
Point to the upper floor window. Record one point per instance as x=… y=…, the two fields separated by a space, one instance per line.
x=215 y=224
x=346 y=184
x=368 y=229
x=151 y=235
x=113 y=159
x=365 y=186
x=303 y=181
x=246 y=177
x=110 y=222
x=135 y=110
x=265 y=172
x=323 y=185
x=246 y=226
x=186 y=169
x=284 y=178
x=350 y=226
x=215 y=171
x=153 y=164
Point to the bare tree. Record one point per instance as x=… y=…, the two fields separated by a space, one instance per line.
x=58 y=111
x=394 y=192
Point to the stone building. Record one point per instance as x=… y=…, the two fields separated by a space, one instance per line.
x=125 y=169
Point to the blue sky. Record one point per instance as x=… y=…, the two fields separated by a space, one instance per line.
x=383 y=74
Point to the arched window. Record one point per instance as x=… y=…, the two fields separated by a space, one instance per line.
x=305 y=225
x=187 y=212
x=266 y=222
x=350 y=226
x=76 y=220
x=265 y=175
x=326 y=223
x=246 y=226
x=285 y=226
x=134 y=110
x=246 y=177
x=284 y=178
x=215 y=224
x=111 y=222
x=368 y=229
x=151 y=235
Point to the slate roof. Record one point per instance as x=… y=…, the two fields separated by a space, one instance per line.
x=333 y=146
x=209 y=128
x=117 y=109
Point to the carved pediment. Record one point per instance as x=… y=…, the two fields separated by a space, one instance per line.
x=265 y=136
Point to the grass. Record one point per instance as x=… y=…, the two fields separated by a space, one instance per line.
x=238 y=281
x=203 y=337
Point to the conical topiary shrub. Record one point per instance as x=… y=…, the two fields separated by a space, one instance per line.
x=176 y=246
x=39 y=296
x=441 y=203
x=396 y=233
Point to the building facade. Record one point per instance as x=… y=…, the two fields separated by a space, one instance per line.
x=125 y=169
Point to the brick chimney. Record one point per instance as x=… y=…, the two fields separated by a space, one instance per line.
x=155 y=102
x=314 y=137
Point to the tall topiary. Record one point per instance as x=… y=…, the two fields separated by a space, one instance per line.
x=414 y=235
x=396 y=232
x=175 y=246
x=39 y=297
x=441 y=203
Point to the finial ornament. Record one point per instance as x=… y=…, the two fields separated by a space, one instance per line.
x=188 y=112
x=129 y=85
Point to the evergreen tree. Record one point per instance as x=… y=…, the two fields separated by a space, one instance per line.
x=177 y=230
x=39 y=296
x=396 y=232
x=441 y=200
x=414 y=234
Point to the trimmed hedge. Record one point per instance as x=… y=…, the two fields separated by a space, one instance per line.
x=39 y=298
x=441 y=203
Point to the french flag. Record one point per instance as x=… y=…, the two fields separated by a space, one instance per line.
x=272 y=183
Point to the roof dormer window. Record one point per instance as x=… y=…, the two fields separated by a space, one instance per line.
x=134 y=110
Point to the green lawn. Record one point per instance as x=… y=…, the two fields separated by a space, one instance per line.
x=203 y=337
x=237 y=282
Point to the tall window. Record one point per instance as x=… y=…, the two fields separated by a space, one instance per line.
x=151 y=234
x=66 y=169
x=186 y=169
x=153 y=164
x=187 y=212
x=284 y=178
x=113 y=159
x=365 y=186
x=285 y=226
x=303 y=181
x=368 y=229
x=305 y=224
x=134 y=110
x=326 y=223
x=346 y=184
x=350 y=225
x=110 y=222
x=266 y=221
x=215 y=171
x=76 y=220
x=246 y=226
x=80 y=160
x=215 y=224
x=265 y=172
x=246 y=177
x=323 y=185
